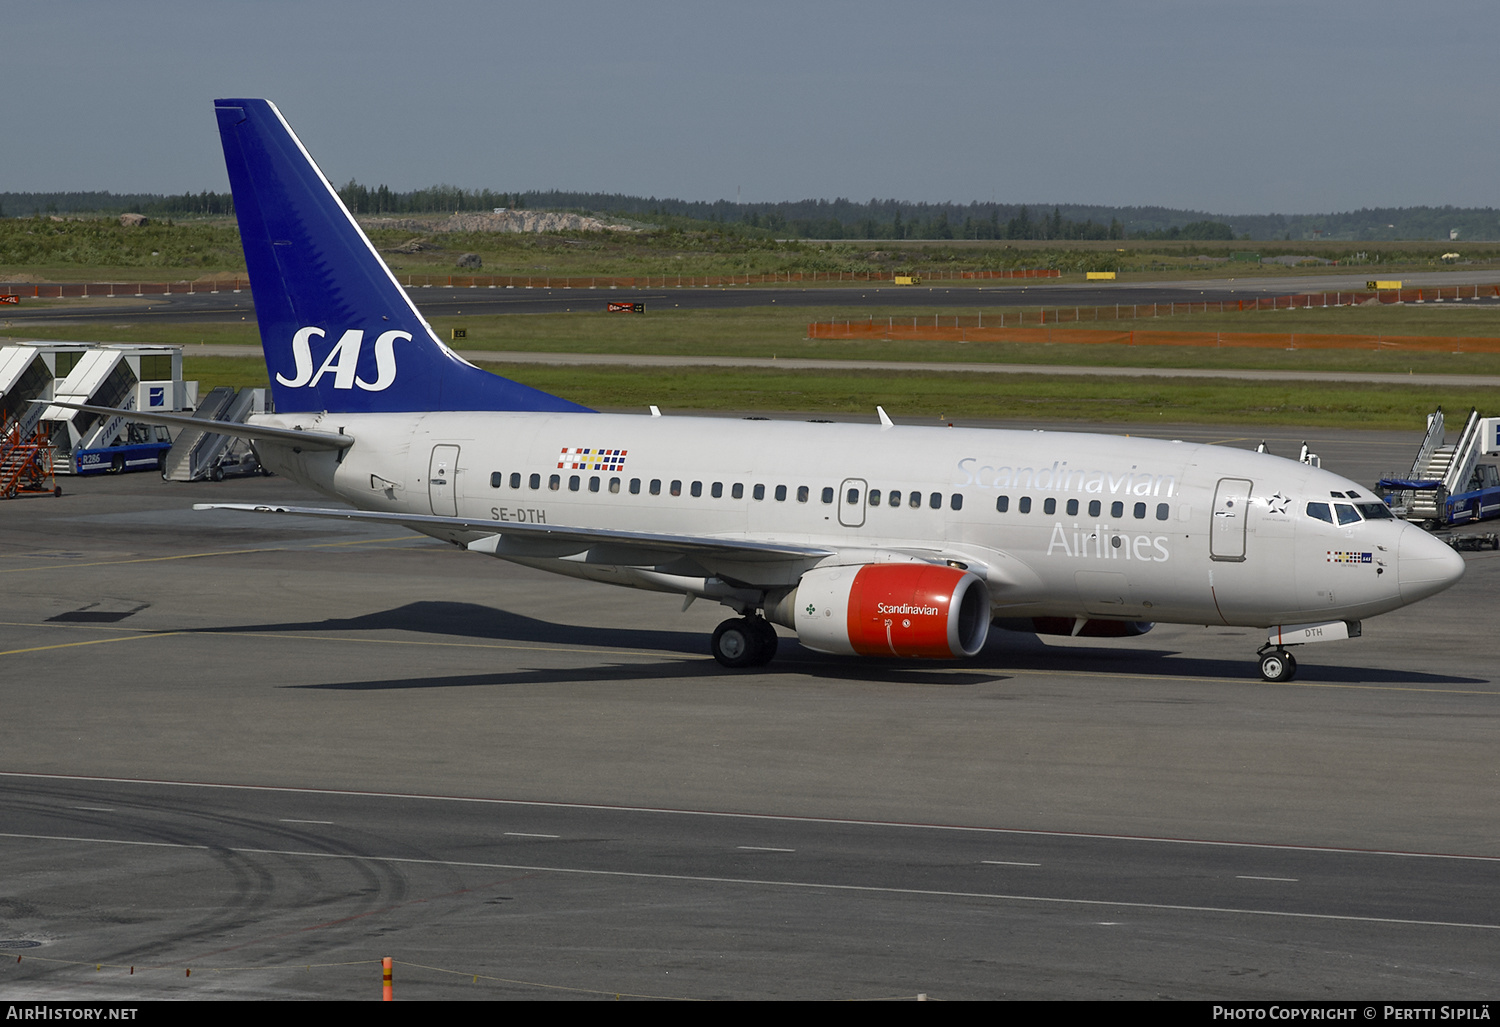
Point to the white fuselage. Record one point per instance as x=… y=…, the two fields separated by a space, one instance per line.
x=1057 y=524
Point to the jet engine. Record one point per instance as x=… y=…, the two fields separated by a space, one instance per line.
x=888 y=609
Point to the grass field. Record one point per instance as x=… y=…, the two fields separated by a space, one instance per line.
x=100 y=249
x=939 y=397
x=773 y=332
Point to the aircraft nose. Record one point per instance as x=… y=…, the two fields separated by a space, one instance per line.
x=1425 y=566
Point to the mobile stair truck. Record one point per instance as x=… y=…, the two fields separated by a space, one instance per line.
x=1447 y=485
x=29 y=372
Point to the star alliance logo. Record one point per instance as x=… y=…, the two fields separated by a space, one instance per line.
x=1278 y=503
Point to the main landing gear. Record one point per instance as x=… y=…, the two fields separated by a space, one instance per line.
x=744 y=642
x=1277 y=664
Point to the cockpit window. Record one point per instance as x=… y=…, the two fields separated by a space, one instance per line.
x=1376 y=512
x=1320 y=511
x=1336 y=495
x=1347 y=514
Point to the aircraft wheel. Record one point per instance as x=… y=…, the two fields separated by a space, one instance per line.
x=736 y=643
x=766 y=641
x=1278 y=666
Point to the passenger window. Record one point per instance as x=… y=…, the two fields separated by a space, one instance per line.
x=573 y=482
x=717 y=490
x=1117 y=509
x=676 y=487
x=895 y=499
x=781 y=493
x=656 y=486
x=593 y=483
x=554 y=482
x=536 y=481
x=515 y=480
x=935 y=500
x=1072 y=508
x=759 y=492
x=1002 y=504
x=827 y=495
x=1024 y=506
x=915 y=501
x=697 y=489
x=1347 y=514
x=1320 y=511
x=1161 y=511
x=614 y=485
x=737 y=491
x=874 y=497
x=852 y=497
x=1094 y=508
x=802 y=493
x=1049 y=506
x=496 y=479
x=955 y=502
x=635 y=486
x=1140 y=511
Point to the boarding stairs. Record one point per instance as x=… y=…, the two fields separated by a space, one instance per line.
x=198 y=453
x=25 y=460
x=1440 y=470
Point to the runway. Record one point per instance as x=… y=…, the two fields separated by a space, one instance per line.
x=271 y=752
x=438 y=301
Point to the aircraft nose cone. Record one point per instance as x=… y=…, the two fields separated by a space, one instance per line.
x=1425 y=566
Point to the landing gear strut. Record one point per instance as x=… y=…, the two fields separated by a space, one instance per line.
x=744 y=642
x=1277 y=665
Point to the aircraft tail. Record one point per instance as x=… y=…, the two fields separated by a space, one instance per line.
x=339 y=333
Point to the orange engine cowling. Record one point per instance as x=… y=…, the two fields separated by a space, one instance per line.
x=891 y=609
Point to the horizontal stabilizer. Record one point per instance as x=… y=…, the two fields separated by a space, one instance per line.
x=236 y=429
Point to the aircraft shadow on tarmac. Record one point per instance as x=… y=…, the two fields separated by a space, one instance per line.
x=1006 y=654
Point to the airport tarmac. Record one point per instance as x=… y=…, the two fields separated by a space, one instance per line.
x=272 y=751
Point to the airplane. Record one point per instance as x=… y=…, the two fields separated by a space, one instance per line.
x=874 y=540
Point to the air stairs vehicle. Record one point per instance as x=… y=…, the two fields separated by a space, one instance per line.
x=25 y=462
x=200 y=454
x=1447 y=485
x=127 y=378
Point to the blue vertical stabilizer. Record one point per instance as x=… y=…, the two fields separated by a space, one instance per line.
x=339 y=333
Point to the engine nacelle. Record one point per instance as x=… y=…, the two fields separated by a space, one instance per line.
x=888 y=609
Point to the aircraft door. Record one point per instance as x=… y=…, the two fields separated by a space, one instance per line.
x=1226 y=535
x=442 y=481
x=851 y=502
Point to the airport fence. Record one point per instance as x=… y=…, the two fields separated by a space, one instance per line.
x=106 y=290
x=696 y=281
x=1043 y=325
x=61 y=290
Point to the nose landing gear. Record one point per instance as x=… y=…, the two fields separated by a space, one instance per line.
x=1277 y=664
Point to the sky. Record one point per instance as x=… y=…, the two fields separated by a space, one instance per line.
x=1238 y=107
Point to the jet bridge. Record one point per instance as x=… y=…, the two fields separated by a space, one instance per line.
x=128 y=378
x=1447 y=484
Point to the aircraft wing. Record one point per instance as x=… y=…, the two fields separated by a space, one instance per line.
x=252 y=432
x=583 y=538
